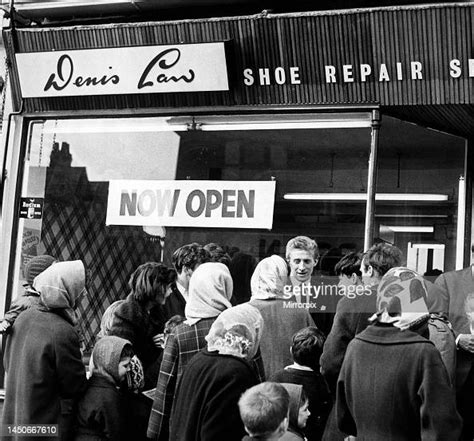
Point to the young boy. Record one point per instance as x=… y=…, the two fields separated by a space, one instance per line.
x=306 y=348
x=264 y=411
x=99 y=410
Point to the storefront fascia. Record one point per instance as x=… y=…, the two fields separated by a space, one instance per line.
x=293 y=80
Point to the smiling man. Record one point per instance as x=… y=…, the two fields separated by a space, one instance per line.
x=302 y=255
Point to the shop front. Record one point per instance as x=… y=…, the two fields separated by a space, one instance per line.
x=130 y=140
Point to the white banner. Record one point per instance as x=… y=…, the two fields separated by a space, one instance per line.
x=212 y=204
x=114 y=71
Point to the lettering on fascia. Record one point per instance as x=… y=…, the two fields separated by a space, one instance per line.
x=165 y=60
x=350 y=73
x=362 y=72
x=65 y=74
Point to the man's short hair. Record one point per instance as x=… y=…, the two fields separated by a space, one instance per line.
x=302 y=243
x=263 y=408
x=348 y=265
x=217 y=254
x=382 y=257
x=307 y=347
x=190 y=256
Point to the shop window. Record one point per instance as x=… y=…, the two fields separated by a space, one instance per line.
x=70 y=163
x=422 y=169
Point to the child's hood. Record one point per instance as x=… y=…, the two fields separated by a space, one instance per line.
x=106 y=356
x=294 y=391
x=61 y=284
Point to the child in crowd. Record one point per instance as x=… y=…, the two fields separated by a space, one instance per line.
x=299 y=413
x=306 y=348
x=99 y=415
x=30 y=296
x=264 y=411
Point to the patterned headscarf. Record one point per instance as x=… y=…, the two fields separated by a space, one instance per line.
x=237 y=332
x=269 y=278
x=401 y=299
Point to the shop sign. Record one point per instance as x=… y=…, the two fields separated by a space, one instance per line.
x=31 y=208
x=128 y=70
x=209 y=204
x=353 y=73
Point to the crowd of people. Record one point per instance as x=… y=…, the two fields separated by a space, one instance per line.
x=221 y=348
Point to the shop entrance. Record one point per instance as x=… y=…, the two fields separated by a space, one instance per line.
x=421 y=194
x=425 y=258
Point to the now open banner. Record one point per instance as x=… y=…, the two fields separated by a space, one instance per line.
x=211 y=204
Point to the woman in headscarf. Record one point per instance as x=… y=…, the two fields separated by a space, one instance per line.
x=281 y=322
x=210 y=290
x=45 y=373
x=393 y=383
x=206 y=401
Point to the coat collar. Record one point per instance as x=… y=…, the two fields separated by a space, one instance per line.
x=98 y=380
x=388 y=335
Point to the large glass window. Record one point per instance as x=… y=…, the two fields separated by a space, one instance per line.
x=419 y=172
x=314 y=159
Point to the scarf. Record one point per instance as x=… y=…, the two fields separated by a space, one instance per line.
x=60 y=287
x=401 y=299
x=210 y=290
x=269 y=278
x=236 y=332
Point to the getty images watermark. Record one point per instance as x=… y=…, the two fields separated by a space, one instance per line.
x=322 y=297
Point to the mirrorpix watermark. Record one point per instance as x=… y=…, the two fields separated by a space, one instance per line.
x=322 y=296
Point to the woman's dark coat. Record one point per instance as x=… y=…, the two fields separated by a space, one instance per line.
x=205 y=407
x=394 y=386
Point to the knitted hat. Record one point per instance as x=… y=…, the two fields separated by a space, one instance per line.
x=36 y=266
x=106 y=356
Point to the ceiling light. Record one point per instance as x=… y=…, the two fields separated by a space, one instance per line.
x=410 y=229
x=419 y=197
x=436 y=216
x=434 y=246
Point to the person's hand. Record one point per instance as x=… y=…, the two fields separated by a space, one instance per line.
x=4 y=325
x=466 y=342
x=159 y=340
